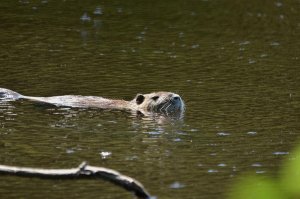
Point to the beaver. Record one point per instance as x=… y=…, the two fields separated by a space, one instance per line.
x=158 y=102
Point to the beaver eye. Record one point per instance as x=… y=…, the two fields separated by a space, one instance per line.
x=155 y=98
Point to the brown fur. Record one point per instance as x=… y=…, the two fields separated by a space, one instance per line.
x=165 y=102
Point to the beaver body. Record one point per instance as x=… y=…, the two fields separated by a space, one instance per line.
x=152 y=102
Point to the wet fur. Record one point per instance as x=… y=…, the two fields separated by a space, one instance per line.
x=159 y=102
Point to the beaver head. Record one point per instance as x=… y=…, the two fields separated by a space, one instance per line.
x=164 y=102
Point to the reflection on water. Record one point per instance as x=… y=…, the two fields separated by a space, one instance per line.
x=235 y=64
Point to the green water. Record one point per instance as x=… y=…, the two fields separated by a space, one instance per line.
x=235 y=64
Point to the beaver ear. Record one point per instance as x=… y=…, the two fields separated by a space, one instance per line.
x=139 y=99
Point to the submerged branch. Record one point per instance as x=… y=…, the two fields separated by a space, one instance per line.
x=82 y=171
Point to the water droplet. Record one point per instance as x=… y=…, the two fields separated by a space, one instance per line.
x=281 y=16
x=98 y=11
x=251 y=61
x=274 y=43
x=177 y=185
x=195 y=46
x=278 y=4
x=234 y=168
x=105 y=154
x=181 y=34
x=70 y=151
x=119 y=10
x=244 y=43
x=85 y=17
x=223 y=134
x=256 y=165
x=212 y=171
x=251 y=133
x=263 y=55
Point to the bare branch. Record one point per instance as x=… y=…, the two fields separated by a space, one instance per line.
x=82 y=171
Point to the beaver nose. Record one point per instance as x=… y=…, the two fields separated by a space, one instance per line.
x=176 y=98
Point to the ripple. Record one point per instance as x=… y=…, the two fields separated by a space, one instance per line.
x=158 y=51
x=177 y=140
x=280 y=153
x=181 y=133
x=97 y=23
x=24 y=2
x=134 y=157
x=153 y=133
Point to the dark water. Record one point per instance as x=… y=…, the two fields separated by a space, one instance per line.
x=235 y=63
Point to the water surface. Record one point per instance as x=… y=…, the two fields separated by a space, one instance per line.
x=235 y=63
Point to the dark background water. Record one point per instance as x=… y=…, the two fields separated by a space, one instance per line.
x=235 y=63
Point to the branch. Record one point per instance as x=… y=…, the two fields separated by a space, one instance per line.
x=82 y=171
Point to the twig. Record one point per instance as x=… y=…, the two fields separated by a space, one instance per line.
x=82 y=171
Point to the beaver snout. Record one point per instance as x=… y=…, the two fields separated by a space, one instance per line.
x=175 y=97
